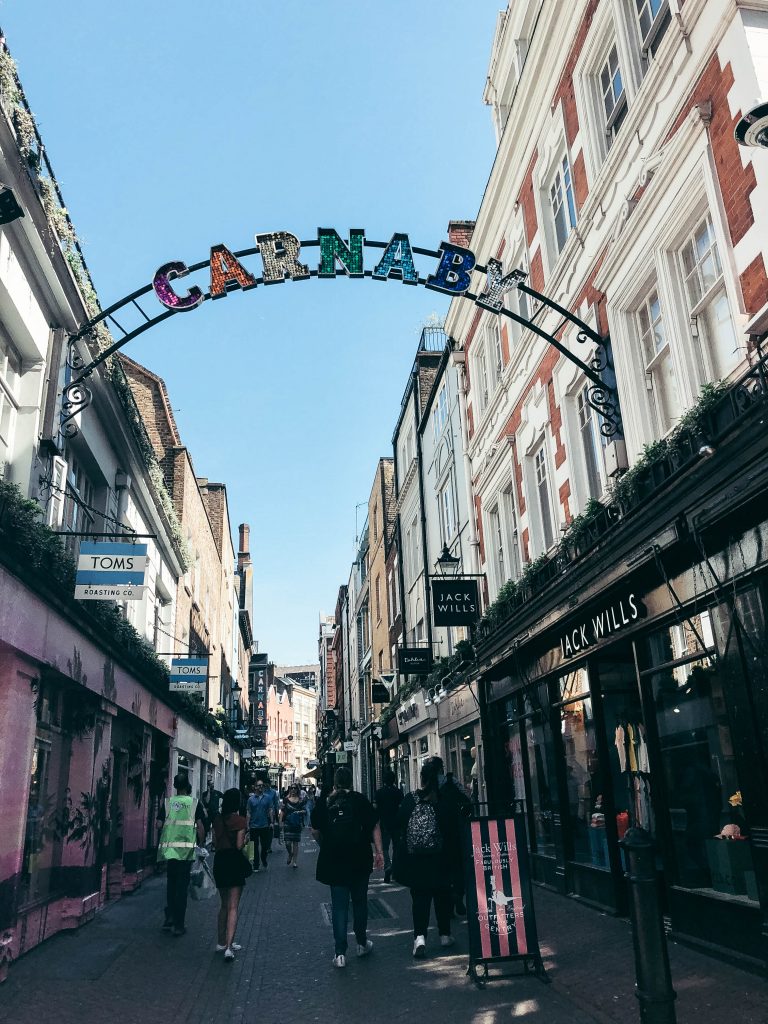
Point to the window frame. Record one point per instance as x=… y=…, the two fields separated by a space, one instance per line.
x=539 y=532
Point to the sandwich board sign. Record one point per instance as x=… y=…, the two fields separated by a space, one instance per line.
x=188 y=675
x=110 y=571
x=500 y=916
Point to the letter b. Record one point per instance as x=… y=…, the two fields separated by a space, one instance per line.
x=453 y=270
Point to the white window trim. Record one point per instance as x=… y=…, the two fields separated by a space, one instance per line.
x=677 y=194
x=550 y=159
x=608 y=27
x=535 y=522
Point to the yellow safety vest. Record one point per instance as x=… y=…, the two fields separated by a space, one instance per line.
x=177 y=840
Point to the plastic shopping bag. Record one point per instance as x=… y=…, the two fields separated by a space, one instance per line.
x=249 y=851
x=201 y=883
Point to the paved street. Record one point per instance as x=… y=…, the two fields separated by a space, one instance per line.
x=123 y=968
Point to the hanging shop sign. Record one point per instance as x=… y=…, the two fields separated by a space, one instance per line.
x=500 y=917
x=189 y=675
x=110 y=571
x=260 y=708
x=350 y=746
x=380 y=693
x=455 y=602
x=604 y=623
x=342 y=757
x=415 y=661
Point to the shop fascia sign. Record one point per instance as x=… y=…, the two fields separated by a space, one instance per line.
x=188 y=675
x=608 y=620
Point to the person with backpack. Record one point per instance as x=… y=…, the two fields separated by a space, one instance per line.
x=424 y=858
x=346 y=826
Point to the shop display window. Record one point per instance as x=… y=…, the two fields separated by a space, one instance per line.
x=530 y=757
x=711 y=852
x=629 y=765
x=461 y=760
x=43 y=835
x=583 y=775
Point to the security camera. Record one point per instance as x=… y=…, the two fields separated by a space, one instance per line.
x=752 y=129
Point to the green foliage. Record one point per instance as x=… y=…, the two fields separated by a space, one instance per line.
x=9 y=78
x=688 y=434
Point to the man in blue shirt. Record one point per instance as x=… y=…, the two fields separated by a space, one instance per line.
x=261 y=820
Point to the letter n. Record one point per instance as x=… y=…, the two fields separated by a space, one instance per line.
x=334 y=249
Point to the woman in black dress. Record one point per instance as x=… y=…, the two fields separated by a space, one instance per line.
x=292 y=817
x=230 y=869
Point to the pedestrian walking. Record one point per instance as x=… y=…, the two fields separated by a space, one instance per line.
x=184 y=825
x=388 y=800
x=230 y=869
x=424 y=860
x=292 y=815
x=345 y=825
x=261 y=819
x=458 y=810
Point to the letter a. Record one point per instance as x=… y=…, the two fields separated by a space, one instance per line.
x=397 y=261
x=453 y=270
x=496 y=286
x=226 y=269
x=279 y=253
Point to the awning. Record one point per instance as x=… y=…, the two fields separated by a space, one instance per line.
x=311 y=774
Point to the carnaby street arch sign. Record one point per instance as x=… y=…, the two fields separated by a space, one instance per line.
x=282 y=259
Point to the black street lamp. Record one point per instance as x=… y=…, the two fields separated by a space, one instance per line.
x=447 y=564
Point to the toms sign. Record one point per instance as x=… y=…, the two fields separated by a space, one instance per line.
x=189 y=675
x=455 y=602
x=110 y=571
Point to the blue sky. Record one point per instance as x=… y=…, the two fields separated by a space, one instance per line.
x=172 y=127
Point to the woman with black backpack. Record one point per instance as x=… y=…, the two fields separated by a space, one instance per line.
x=425 y=858
x=346 y=827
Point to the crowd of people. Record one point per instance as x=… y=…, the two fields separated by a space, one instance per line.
x=414 y=839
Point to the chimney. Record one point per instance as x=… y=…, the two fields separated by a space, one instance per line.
x=460 y=232
x=244 y=554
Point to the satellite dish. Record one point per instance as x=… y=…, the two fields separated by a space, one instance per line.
x=752 y=129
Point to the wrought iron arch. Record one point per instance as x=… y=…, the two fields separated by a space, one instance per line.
x=601 y=393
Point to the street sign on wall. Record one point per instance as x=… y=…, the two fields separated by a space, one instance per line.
x=189 y=675
x=455 y=602
x=110 y=571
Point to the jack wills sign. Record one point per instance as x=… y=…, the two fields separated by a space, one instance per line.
x=455 y=602
x=603 y=623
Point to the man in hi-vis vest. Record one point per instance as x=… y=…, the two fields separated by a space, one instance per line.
x=183 y=828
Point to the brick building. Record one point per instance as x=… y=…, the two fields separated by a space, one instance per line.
x=623 y=646
x=207 y=598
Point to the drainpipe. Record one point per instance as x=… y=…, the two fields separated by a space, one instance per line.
x=427 y=591
x=458 y=357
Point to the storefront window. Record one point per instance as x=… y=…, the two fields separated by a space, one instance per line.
x=708 y=832
x=629 y=768
x=583 y=777
x=461 y=760
x=42 y=836
x=530 y=756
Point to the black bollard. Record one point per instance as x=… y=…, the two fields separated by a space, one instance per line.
x=654 y=981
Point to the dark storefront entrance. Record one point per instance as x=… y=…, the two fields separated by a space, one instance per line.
x=658 y=727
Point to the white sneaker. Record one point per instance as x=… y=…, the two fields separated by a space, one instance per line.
x=420 y=947
x=235 y=945
x=229 y=954
x=447 y=940
x=366 y=949
x=340 y=960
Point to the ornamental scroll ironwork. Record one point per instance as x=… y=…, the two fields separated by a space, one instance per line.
x=280 y=257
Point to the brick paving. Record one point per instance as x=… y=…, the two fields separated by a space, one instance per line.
x=122 y=967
